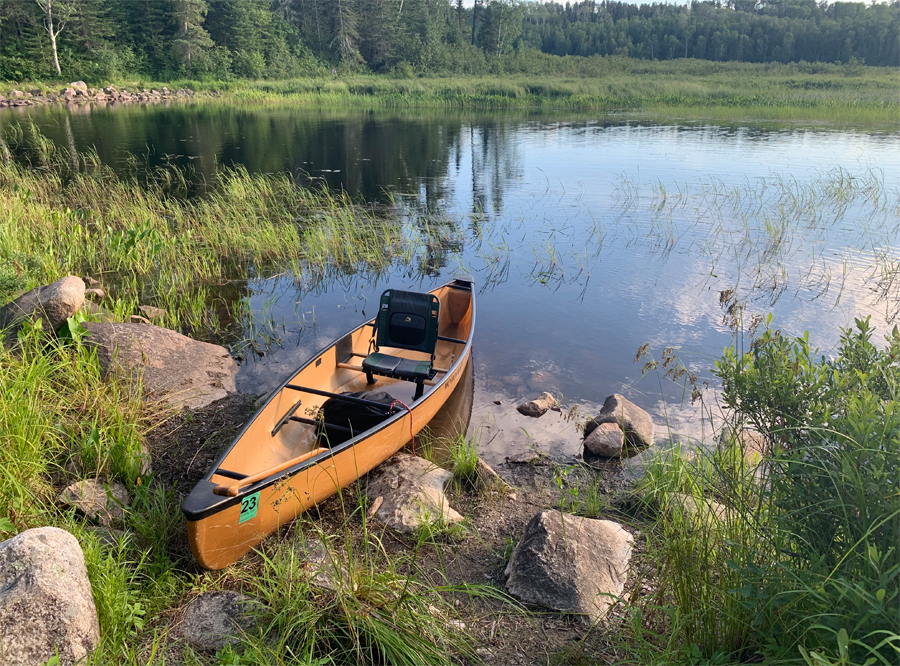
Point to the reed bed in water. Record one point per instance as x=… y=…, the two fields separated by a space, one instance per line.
x=836 y=94
x=859 y=100
x=150 y=244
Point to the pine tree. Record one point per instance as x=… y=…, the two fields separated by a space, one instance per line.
x=191 y=39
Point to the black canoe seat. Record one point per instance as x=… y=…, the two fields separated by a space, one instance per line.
x=406 y=320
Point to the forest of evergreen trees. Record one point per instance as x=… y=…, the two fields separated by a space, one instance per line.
x=99 y=40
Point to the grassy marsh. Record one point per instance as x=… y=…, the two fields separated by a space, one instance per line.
x=686 y=88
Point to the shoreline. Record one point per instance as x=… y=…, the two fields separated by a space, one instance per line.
x=728 y=92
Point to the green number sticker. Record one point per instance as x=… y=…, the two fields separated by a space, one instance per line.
x=249 y=506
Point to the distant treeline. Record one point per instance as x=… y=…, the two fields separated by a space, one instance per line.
x=98 y=40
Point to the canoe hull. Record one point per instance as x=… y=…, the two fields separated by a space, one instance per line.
x=221 y=538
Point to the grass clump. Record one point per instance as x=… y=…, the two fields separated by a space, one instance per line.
x=464 y=457
x=345 y=600
x=794 y=559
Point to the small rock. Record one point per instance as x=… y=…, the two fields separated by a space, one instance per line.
x=326 y=570
x=52 y=303
x=95 y=293
x=109 y=536
x=753 y=444
x=46 y=604
x=110 y=90
x=376 y=504
x=102 y=502
x=137 y=319
x=706 y=510
x=182 y=93
x=16 y=94
x=152 y=313
x=488 y=478
x=605 y=440
x=97 y=313
x=571 y=564
x=633 y=420
x=79 y=85
x=413 y=492
x=498 y=402
x=216 y=619
x=538 y=406
x=90 y=282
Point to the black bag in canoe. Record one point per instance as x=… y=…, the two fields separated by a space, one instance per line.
x=353 y=416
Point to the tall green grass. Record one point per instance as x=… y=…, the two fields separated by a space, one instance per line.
x=831 y=93
x=149 y=244
x=795 y=560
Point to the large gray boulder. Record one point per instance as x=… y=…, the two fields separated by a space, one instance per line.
x=216 y=619
x=187 y=372
x=53 y=304
x=46 y=605
x=412 y=490
x=633 y=420
x=571 y=564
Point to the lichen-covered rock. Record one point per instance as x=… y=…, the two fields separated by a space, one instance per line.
x=634 y=421
x=413 y=493
x=216 y=619
x=186 y=372
x=571 y=564
x=97 y=500
x=53 y=304
x=46 y=605
x=538 y=406
x=606 y=440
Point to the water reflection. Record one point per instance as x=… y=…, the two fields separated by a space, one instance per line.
x=587 y=236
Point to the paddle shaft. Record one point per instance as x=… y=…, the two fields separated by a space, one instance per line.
x=233 y=490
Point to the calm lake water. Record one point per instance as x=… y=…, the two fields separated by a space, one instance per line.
x=588 y=236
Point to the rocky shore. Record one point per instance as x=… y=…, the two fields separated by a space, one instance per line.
x=78 y=92
x=507 y=527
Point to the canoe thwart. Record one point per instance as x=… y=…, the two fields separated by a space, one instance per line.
x=300 y=419
x=454 y=340
x=340 y=396
x=233 y=490
x=237 y=476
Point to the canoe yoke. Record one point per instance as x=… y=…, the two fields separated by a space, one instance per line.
x=406 y=320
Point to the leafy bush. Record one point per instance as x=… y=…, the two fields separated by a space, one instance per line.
x=829 y=579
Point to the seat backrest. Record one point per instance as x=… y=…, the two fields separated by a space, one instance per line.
x=408 y=320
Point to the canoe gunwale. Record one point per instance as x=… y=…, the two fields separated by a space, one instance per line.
x=221 y=503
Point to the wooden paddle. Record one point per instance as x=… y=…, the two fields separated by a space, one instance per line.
x=233 y=490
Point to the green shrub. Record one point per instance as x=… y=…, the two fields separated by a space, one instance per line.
x=828 y=580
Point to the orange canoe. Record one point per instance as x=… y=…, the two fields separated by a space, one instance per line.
x=280 y=465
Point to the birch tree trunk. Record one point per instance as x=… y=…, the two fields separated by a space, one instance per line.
x=53 y=29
